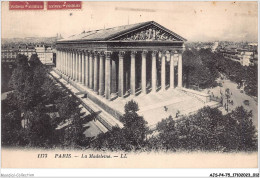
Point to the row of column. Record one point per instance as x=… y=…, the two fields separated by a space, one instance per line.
x=94 y=69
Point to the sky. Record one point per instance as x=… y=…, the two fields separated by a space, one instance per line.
x=195 y=21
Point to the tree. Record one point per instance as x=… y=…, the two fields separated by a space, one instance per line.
x=189 y=64
x=10 y=129
x=134 y=125
x=67 y=107
x=168 y=135
x=240 y=133
x=131 y=137
x=207 y=130
x=39 y=131
x=26 y=82
x=251 y=78
x=199 y=68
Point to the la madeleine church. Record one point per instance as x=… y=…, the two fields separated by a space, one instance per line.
x=115 y=60
x=114 y=64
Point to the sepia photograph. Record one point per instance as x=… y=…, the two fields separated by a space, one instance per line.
x=92 y=84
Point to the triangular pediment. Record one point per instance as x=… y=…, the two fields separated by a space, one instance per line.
x=148 y=32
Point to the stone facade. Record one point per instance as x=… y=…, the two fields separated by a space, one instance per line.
x=122 y=61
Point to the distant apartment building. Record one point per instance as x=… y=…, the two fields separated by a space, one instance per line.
x=245 y=58
x=8 y=54
x=45 y=53
x=27 y=50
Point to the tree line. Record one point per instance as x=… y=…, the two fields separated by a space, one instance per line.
x=207 y=130
x=202 y=68
x=36 y=106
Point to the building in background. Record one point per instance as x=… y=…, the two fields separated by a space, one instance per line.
x=45 y=53
x=8 y=54
x=244 y=53
x=214 y=46
x=26 y=49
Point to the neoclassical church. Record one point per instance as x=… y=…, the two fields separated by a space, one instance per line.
x=121 y=61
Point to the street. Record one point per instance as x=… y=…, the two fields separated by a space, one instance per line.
x=237 y=97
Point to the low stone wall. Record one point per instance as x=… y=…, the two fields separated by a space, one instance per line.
x=199 y=95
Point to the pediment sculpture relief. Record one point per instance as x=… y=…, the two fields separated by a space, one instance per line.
x=149 y=34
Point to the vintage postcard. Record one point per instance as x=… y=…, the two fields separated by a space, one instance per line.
x=129 y=84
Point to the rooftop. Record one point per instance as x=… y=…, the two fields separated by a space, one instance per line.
x=110 y=33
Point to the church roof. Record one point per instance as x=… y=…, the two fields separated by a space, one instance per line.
x=110 y=34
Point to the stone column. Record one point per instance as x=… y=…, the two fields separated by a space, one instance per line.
x=154 y=71
x=144 y=53
x=77 y=65
x=66 y=62
x=61 y=55
x=121 y=74
x=57 y=59
x=101 y=74
x=63 y=63
x=73 y=65
x=61 y=59
x=78 y=58
x=180 y=70
x=113 y=85
x=96 y=72
x=86 y=69
x=83 y=67
x=163 y=71
x=132 y=75
x=174 y=55
x=91 y=71
x=108 y=75
x=80 y=67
